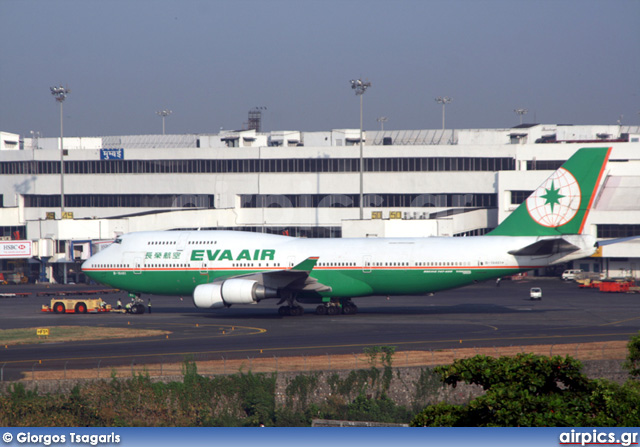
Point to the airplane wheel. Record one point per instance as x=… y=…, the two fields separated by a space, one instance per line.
x=350 y=309
x=321 y=310
x=333 y=310
x=139 y=308
x=283 y=311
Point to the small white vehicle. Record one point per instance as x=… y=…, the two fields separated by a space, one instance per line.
x=535 y=293
x=570 y=275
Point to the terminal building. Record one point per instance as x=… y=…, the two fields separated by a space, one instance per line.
x=306 y=184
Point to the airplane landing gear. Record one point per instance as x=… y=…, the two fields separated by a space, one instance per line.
x=136 y=306
x=291 y=311
x=334 y=307
x=292 y=308
x=348 y=308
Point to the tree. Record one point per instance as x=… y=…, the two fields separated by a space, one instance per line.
x=532 y=390
x=633 y=357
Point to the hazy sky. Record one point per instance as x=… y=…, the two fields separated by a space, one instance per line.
x=210 y=62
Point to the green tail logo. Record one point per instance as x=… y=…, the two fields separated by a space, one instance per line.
x=562 y=203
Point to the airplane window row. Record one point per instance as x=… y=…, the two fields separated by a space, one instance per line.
x=166 y=265
x=252 y=265
x=320 y=264
x=336 y=264
x=393 y=264
x=202 y=242
x=443 y=264
x=161 y=243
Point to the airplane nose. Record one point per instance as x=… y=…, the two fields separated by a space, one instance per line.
x=88 y=268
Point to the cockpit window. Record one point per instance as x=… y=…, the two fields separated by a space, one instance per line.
x=118 y=240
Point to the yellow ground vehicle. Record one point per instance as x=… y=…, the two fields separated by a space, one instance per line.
x=76 y=305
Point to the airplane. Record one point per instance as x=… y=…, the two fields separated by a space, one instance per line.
x=224 y=268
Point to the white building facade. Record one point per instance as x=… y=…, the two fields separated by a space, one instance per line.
x=416 y=183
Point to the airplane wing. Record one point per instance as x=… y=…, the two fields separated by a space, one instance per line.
x=295 y=279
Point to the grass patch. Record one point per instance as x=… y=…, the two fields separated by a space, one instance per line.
x=72 y=333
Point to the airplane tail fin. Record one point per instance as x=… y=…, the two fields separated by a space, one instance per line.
x=562 y=203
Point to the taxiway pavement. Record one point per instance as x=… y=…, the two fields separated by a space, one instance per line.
x=481 y=315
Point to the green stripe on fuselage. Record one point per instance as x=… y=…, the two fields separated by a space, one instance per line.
x=346 y=283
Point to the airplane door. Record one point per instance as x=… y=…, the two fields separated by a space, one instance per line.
x=204 y=270
x=292 y=261
x=137 y=266
x=133 y=260
x=366 y=264
x=182 y=241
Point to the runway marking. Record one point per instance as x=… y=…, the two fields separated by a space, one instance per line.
x=495 y=328
x=355 y=345
x=600 y=325
x=156 y=338
x=620 y=321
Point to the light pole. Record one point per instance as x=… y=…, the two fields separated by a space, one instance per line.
x=382 y=120
x=521 y=112
x=444 y=100
x=60 y=94
x=164 y=113
x=360 y=87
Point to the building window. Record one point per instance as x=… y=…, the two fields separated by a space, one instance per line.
x=469 y=200
x=121 y=201
x=544 y=165
x=517 y=197
x=615 y=231
x=390 y=164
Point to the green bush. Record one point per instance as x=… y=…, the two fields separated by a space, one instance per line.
x=633 y=357
x=531 y=390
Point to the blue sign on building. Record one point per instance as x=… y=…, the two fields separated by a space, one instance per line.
x=111 y=154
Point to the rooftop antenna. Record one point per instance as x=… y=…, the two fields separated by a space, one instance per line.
x=520 y=112
x=255 y=118
x=382 y=120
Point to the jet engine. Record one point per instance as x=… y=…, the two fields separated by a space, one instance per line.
x=231 y=291
x=208 y=296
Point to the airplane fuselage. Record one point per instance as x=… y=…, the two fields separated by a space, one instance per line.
x=176 y=262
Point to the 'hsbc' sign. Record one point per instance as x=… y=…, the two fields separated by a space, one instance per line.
x=15 y=249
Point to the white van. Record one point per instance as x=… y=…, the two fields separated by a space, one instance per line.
x=535 y=293
x=570 y=275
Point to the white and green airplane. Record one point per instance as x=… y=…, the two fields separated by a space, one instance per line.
x=223 y=268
